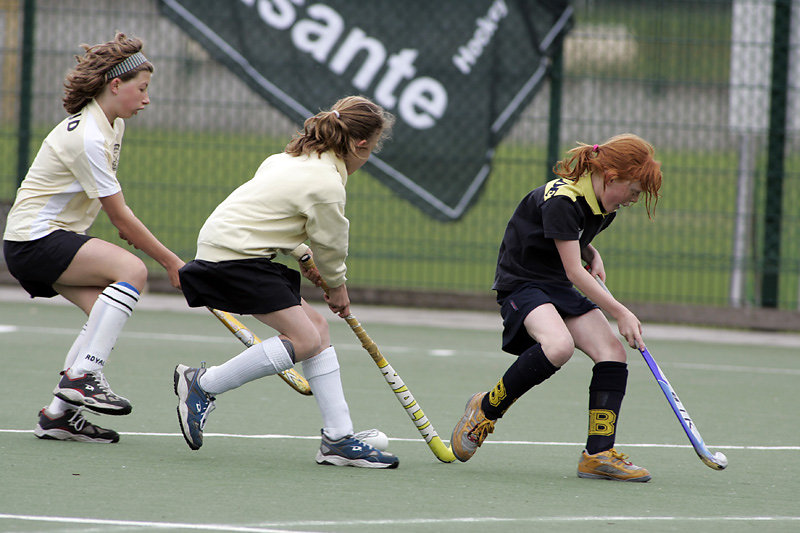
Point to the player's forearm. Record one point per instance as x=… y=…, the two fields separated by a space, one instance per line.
x=587 y=253
x=136 y=233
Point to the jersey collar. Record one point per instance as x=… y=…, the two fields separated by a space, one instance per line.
x=99 y=115
x=585 y=185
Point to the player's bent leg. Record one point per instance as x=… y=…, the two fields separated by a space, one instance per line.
x=610 y=465
x=119 y=276
x=295 y=326
x=324 y=377
x=546 y=327
x=99 y=263
x=595 y=337
x=84 y=384
x=319 y=322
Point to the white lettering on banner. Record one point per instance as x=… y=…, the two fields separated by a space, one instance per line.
x=420 y=101
x=485 y=28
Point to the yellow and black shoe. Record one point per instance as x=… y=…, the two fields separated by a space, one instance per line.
x=471 y=430
x=610 y=464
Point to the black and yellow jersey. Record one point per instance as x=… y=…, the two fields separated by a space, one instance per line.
x=562 y=209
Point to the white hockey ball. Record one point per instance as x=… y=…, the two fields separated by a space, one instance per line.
x=375 y=438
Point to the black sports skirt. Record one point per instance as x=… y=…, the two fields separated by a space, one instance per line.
x=243 y=286
x=517 y=304
x=39 y=263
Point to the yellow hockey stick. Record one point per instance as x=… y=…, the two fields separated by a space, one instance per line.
x=248 y=338
x=404 y=396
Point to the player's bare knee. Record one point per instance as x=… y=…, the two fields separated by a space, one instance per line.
x=614 y=350
x=134 y=272
x=558 y=350
x=306 y=346
x=617 y=352
x=321 y=325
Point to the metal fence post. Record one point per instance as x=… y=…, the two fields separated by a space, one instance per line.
x=554 y=120
x=26 y=88
x=773 y=206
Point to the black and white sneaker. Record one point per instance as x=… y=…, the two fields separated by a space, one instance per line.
x=91 y=390
x=72 y=426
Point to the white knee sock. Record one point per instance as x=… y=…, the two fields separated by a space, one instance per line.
x=58 y=406
x=106 y=320
x=263 y=359
x=322 y=373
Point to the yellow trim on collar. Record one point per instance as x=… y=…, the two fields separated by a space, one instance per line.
x=573 y=189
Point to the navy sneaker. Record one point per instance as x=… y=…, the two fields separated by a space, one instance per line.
x=194 y=404
x=91 y=390
x=349 y=451
x=72 y=426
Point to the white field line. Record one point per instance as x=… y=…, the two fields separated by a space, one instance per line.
x=143 y=524
x=280 y=527
x=487 y=443
x=433 y=352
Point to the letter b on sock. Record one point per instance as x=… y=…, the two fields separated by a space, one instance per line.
x=601 y=422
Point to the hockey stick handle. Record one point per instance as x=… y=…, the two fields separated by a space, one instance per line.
x=717 y=461
x=395 y=382
x=248 y=338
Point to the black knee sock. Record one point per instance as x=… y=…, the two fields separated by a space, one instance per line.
x=530 y=368
x=605 y=399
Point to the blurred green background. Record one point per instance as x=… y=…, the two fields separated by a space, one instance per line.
x=661 y=69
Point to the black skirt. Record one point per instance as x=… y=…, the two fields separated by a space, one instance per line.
x=244 y=286
x=39 y=263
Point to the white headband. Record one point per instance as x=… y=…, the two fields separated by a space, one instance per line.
x=126 y=65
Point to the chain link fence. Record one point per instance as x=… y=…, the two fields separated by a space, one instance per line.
x=709 y=82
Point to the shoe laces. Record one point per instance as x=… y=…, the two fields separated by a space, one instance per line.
x=481 y=431
x=619 y=456
x=210 y=406
x=77 y=420
x=209 y=400
x=100 y=378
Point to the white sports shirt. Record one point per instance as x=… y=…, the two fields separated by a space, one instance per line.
x=288 y=201
x=76 y=165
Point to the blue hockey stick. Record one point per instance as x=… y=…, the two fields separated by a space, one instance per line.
x=717 y=461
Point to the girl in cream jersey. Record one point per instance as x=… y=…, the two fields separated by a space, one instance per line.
x=45 y=244
x=295 y=196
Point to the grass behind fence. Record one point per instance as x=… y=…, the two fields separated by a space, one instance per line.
x=174 y=180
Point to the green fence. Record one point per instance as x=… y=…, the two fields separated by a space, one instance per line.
x=693 y=77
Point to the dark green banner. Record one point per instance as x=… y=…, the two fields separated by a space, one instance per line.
x=455 y=73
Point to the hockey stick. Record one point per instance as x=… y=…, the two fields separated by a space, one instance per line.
x=404 y=396
x=248 y=338
x=717 y=461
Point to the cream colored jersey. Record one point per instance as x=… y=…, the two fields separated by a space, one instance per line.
x=290 y=200
x=75 y=166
